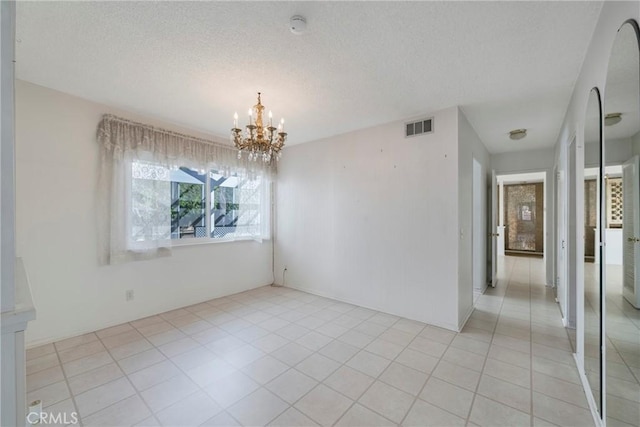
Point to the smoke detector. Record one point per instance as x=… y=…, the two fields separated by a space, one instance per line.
x=297 y=24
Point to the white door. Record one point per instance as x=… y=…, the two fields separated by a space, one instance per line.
x=631 y=231
x=492 y=226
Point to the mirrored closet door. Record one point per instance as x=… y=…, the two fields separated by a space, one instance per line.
x=593 y=271
x=621 y=230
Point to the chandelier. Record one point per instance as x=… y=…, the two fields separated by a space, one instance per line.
x=259 y=140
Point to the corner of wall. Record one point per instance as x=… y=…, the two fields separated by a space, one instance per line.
x=470 y=147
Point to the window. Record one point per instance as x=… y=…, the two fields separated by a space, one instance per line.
x=172 y=204
x=236 y=205
x=158 y=188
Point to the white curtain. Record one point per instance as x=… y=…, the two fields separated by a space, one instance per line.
x=134 y=192
x=253 y=201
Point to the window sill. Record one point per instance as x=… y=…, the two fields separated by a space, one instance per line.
x=209 y=241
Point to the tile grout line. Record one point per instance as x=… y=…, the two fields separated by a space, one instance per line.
x=510 y=382
x=291 y=405
x=66 y=380
x=124 y=375
x=344 y=364
x=430 y=376
x=218 y=355
x=415 y=397
x=167 y=358
x=475 y=394
x=322 y=382
x=117 y=362
x=356 y=401
x=378 y=379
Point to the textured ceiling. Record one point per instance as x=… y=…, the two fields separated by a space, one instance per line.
x=508 y=64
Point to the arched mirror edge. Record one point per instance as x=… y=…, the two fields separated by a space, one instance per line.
x=594 y=101
x=633 y=23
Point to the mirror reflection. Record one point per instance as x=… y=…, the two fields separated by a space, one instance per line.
x=592 y=271
x=622 y=228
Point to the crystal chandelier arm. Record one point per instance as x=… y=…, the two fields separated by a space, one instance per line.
x=271 y=134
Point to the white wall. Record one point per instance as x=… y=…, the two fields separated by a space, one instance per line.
x=57 y=160
x=523 y=161
x=369 y=217
x=12 y=358
x=636 y=143
x=7 y=154
x=617 y=152
x=470 y=147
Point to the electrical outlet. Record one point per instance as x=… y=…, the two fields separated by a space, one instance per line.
x=129 y=295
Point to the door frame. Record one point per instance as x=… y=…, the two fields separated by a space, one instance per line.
x=478 y=228
x=493 y=210
x=561 y=236
x=573 y=231
x=632 y=298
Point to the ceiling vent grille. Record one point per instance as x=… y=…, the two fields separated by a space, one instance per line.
x=419 y=127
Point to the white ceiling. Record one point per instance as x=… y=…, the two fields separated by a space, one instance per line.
x=522 y=178
x=508 y=64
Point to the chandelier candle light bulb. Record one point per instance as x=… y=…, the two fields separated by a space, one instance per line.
x=258 y=140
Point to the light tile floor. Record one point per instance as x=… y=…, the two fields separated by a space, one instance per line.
x=276 y=356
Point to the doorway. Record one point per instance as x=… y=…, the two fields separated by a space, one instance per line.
x=523 y=213
x=514 y=239
x=522 y=209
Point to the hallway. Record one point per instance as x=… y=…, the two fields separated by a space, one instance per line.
x=278 y=356
x=530 y=365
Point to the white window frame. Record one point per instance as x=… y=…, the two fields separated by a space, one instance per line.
x=141 y=245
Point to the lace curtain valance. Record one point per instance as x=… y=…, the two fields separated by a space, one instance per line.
x=118 y=136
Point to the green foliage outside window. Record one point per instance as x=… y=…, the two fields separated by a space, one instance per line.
x=189 y=200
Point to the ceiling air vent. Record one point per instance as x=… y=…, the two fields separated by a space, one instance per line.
x=418 y=128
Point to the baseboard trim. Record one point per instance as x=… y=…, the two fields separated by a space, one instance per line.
x=587 y=391
x=347 y=301
x=49 y=340
x=466 y=317
x=531 y=254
